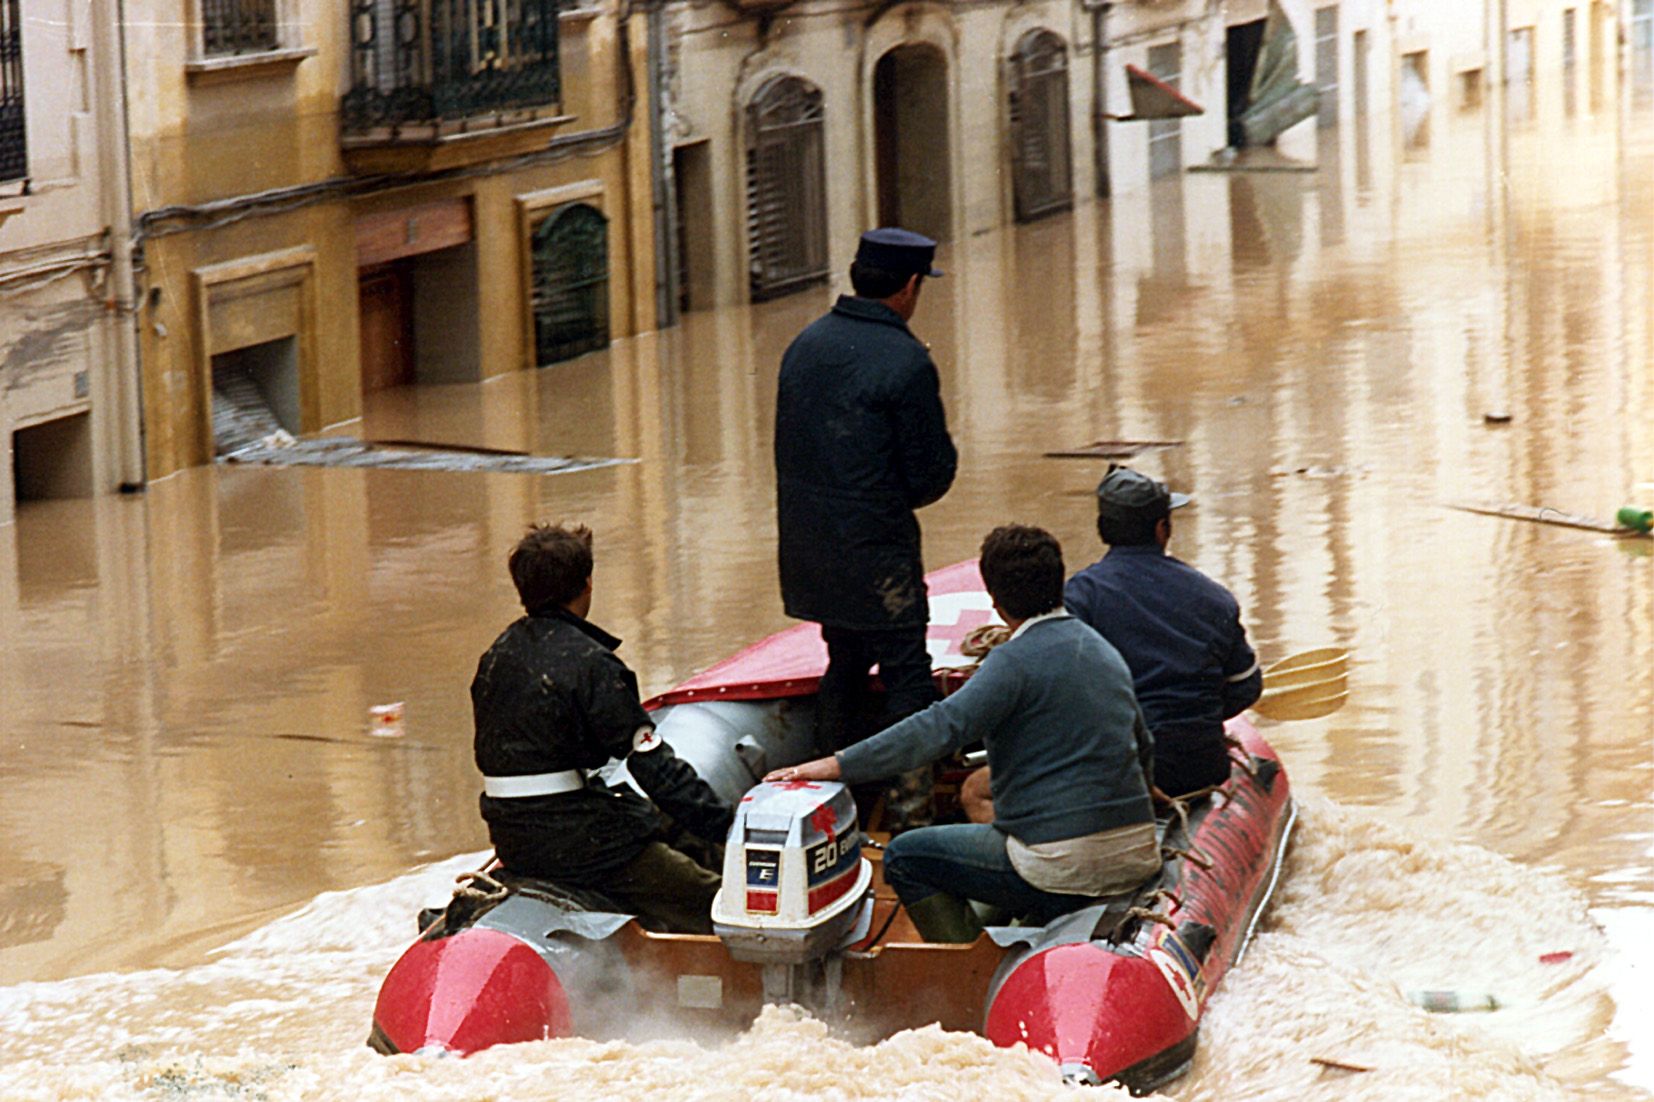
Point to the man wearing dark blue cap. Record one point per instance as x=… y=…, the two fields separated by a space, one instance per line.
x=861 y=441
x=1178 y=630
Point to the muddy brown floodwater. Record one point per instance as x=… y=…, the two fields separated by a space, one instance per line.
x=209 y=860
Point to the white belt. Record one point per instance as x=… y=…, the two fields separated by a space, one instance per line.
x=534 y=784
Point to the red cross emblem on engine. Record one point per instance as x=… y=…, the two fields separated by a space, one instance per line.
x=794 y=786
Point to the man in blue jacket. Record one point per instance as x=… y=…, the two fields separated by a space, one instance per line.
x=861 y=441
x=1070 y=756
x=1178 y=630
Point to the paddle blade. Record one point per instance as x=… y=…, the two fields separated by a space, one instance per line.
x=1307 y=668
x=1308 y=685
x=1304 y=701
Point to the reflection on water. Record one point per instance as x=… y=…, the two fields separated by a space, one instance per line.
x=187 y=676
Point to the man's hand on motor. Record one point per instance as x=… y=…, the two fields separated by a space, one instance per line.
x=822 y=769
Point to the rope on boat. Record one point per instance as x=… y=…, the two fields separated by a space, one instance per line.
x=1147 y=915
x=479 y=887
x=1191 y=855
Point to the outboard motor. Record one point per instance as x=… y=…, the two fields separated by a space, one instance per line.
x=796 y=889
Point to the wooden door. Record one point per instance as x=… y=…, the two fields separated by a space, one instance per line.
x=385 y=301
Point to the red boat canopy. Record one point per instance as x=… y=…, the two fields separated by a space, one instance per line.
x=791 y=662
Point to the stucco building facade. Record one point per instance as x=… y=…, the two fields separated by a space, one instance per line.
x=352 y=196
x=68 y=415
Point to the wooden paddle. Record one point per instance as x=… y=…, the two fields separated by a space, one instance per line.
x=1309 y=685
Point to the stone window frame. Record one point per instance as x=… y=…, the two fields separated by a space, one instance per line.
x=532 y=207
x=289 y=51
x=247 y=276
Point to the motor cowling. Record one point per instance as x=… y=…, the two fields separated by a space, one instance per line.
x=795 y=882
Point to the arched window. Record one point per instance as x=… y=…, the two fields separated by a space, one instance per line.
x=1042 y=181
x=786 y=188
x=571 y=283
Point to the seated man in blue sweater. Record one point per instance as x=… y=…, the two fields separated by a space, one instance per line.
x=1070 y=755
x=1178 y=630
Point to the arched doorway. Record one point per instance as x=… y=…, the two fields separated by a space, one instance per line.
x=571 y=283
x=786 y=188
x=910 y=134
x=1042 y=181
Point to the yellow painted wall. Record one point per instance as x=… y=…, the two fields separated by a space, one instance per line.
x=209 y=137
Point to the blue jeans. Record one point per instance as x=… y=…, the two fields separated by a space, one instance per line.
x=968 y=860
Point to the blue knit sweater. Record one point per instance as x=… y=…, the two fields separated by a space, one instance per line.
x=1067 y=744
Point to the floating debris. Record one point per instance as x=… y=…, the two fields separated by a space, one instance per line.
x=344 y=451
x=1452 y=1002
x=1496 y=417
x=1544 y=514
x=1114 y=449
x=386 y=720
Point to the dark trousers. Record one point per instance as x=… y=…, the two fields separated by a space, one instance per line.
x=1188 y=759
x=666 y=890
x=844 y=713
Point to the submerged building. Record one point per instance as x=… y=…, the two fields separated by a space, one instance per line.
x=68 y=388
x=341 y=197
x=273 y=208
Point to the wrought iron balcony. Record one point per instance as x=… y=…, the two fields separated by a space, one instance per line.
x=14 y=158
x=423 y=69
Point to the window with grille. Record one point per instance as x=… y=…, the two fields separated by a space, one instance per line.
x=14 y=153
x=786 y=188
x=1042 y=182
x=570 y=296
x=230 y=27
x=1166 y=135
x=1326 y=66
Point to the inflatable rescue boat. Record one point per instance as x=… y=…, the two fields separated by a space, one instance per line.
x=1112 y=991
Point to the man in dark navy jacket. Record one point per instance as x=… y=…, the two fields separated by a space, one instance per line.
x=1178 y=630
x=861 y=441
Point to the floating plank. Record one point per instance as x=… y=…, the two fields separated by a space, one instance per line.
x=1544 y=514
x=1113 y=449
x=343 y=451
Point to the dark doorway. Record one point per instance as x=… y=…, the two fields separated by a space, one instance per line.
x=910 y=124
x=571 y=283
x=53 y=459
x=1042 y=182
x=692 y=177
x=385 y=299
x=786 y=188
x=1243 y=45
x=255 y=393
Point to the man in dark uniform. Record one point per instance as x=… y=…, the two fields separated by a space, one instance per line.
x=861 y=441
x=551 y=703
x=1178 y=630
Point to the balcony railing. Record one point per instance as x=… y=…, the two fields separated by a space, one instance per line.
x=14 y=153
x=424 y=64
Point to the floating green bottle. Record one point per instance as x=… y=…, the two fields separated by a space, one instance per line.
x=1638 y=520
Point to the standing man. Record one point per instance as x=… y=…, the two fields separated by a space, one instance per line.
x=861 y=441
x=1178 y=630
x=553 y=703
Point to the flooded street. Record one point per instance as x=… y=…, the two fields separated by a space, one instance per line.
x=210 y=859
